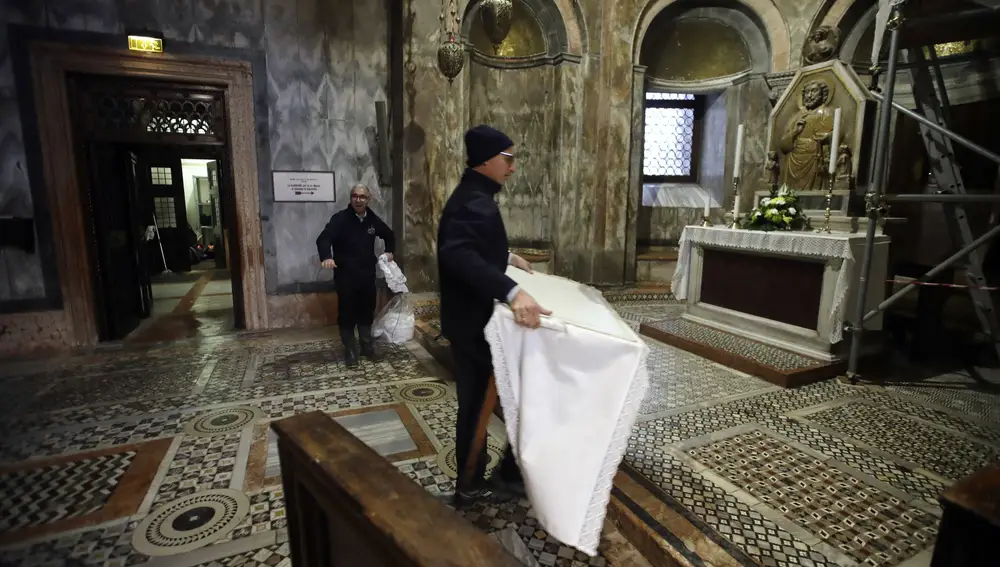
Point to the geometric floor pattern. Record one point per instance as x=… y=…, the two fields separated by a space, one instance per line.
x=867 y=524
x=822 y=475
x=33 y=497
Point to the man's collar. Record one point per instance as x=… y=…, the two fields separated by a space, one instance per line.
x=481 y=181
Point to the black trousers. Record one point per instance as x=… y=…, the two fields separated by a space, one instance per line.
x=355 y=304
x=473 y=368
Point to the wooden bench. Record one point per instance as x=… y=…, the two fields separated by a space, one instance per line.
x=970 y=524
x=347 y=506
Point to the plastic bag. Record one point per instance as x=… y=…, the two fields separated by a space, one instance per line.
x=394 y=277
x=396 y=321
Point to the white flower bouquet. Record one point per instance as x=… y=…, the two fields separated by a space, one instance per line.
x=780 y=211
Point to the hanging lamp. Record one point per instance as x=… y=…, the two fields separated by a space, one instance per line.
x=451 y=53
x=496 y=16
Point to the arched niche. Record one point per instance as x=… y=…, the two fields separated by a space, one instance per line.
x=537 y=29
x=759 y=22
x=694 y=46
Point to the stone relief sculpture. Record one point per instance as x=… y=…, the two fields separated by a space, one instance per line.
x=773 y=169
x=843 y=161
x=821 y=45
x=805 y=137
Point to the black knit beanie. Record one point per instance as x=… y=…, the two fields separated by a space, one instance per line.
x=483 y=142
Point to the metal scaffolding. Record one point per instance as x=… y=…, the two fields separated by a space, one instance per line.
x=933 y=105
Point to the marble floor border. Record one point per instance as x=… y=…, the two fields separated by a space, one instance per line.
x=161 y=473
x=125 y=499
x=697 y=406
x=804 y=413
x=242 y=458
x=215 y=552
x=802 y=416
x=34 y=540
x=861 y=445
x=679 y=451
x=198 y=409
x=204 y=377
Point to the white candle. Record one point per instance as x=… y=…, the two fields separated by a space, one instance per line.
x=835 y=141
x=736 y=206
x=739 y=151
x=708 y=205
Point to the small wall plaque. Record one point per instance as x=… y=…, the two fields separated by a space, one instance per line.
x=304 y=186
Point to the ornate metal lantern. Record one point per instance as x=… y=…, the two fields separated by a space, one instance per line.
x=496 y=16
x=451 y=57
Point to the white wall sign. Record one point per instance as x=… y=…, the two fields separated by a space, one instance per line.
x=303 y=186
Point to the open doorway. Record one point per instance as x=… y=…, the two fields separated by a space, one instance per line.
x=162 y=248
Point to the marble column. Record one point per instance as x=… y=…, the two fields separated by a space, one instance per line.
x=635 y=169
x=435 y=117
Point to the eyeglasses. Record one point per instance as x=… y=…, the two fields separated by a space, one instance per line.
x=508 y=157
x=359 y=197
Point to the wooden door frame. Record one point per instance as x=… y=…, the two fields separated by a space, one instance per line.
x=50 y=62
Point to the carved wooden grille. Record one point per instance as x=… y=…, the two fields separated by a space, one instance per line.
x=151 y=111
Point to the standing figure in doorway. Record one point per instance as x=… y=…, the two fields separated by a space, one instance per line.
x=472 y=260
x=350 y=236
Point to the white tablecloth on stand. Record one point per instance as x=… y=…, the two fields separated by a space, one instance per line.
x=571 y=392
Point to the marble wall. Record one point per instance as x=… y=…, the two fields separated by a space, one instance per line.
x=592 y=173
x=521 y=103
x=326 y=64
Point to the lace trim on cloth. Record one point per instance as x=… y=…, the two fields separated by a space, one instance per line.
x=501 y=376
x=788 y=243
x=593 y=525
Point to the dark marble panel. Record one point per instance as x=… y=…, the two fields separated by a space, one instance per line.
x=521 y=103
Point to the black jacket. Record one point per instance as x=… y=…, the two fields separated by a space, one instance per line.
x=472 y=257
x=353 y=243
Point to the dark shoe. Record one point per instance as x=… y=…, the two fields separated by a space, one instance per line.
x=467 y=498
x=492 y=492
x=351 y=358
x=367 y=343
x=350 y=347
x=514 y=488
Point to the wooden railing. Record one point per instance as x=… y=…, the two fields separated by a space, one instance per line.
x=347 y=506
x=970 y=522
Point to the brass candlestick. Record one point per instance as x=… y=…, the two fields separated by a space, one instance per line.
x=736 y=203
x=705 y=221
x=829 y=204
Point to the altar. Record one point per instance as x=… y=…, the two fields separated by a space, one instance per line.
x=792 y=290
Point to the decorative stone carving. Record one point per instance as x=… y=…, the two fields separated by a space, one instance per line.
x=821 y=45
x=773 y=169
x=805 y=138
x=801 y=124
x=844 y=161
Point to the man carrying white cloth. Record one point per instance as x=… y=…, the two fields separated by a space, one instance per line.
x=473 y=254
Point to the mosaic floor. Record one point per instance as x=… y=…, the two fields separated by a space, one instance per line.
x=125 y=456
x=164 y=455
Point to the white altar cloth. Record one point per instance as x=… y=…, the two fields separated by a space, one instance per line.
x=787 y=243
x=570 y=392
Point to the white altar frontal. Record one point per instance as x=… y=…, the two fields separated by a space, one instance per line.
x=791 y=290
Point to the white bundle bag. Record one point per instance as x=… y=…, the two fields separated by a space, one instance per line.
x=571 y=392
x=396 y=321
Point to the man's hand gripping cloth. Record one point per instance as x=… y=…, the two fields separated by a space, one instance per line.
x=571 y=392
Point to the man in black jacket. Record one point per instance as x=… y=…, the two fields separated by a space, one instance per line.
x=472 y=258
x=351 y=235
